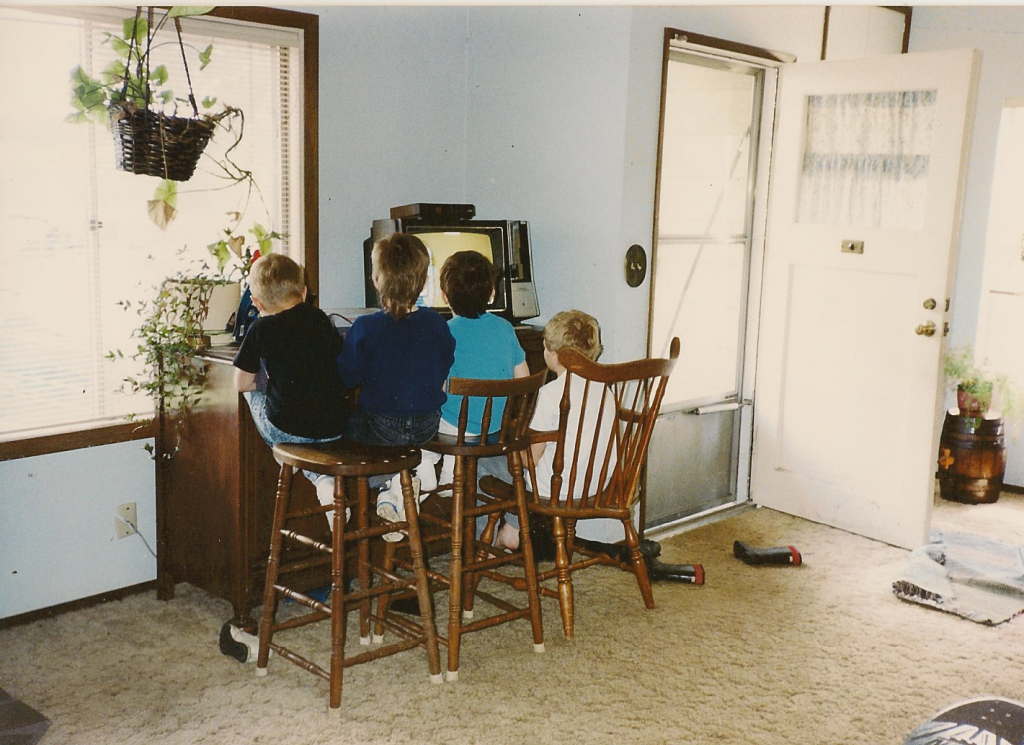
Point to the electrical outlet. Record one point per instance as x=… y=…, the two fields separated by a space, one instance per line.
x=125 y=519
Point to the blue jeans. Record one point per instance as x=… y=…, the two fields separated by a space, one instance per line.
x=374 y=428
x=270 y=433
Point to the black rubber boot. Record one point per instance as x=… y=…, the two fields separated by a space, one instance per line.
x=780 y=555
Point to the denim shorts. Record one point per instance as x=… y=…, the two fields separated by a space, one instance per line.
x=374 y=428
x=271 y=434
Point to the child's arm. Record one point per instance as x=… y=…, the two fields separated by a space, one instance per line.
x=244 y=381
x=522 y=370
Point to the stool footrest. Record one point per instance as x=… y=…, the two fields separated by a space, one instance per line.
x=306 y=541
x=486 y=623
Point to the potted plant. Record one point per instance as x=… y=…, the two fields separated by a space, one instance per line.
x=980 y=391
x=133 y=95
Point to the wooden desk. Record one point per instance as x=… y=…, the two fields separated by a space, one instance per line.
x=215 y=497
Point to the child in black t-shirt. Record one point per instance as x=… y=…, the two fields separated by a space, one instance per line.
x=296 y=343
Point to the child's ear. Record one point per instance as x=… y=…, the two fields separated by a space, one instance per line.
x=258 y=303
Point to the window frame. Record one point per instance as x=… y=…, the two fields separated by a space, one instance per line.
x=106 y=432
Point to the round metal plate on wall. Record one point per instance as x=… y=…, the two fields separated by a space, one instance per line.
x=636 y=265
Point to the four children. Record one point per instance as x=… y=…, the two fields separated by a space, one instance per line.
x=399 y=358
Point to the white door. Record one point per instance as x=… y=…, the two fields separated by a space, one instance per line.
x=864 y=212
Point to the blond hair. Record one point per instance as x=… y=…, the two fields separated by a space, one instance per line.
x=400 y=262
x=275 y=280
x=574 y=329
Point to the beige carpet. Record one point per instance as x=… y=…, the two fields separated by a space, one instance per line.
x=823 y=653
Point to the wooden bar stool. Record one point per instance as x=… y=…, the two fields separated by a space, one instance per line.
x=472 y=559
x=350 y=464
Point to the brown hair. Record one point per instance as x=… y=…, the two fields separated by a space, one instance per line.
x=574 y=329
x=467 y=280
x=275 y=280
x=400 y=264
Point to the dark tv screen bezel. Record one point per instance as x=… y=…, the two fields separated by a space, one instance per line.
x=496 y=230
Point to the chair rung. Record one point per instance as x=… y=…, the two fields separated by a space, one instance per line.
x=300 y=621
x=491 y=563
x=498 y=602
x=298 y=597
x=486 y=623
x=306 y=541
x=301 y=661
x=575 y=567
x=318 y=510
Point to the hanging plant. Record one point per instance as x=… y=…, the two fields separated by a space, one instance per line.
x=135 y=98
x=147 y=140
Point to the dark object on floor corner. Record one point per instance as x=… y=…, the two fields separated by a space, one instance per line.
x=231 y=648
x=20 y=724
x=778 y=555
x=692 y=574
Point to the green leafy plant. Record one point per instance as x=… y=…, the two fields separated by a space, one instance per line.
x=129 y=78
x=977 y=388
x=169 y=337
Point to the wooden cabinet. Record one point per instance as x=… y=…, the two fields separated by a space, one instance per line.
x=215 y=496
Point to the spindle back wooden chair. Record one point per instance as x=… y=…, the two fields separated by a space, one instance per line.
x=507 y=408
x=606 y=417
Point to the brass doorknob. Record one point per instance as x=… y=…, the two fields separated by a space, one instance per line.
x=925 y=329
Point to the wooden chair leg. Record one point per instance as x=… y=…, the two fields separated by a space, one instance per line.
x=526 y=546
x=455 y=571
x=337 y=601
x=422 y=581
x=472 y=579
x=363 y=551
x=639 y=565
x=284 y=488
x=384 y=600
x=563 y=577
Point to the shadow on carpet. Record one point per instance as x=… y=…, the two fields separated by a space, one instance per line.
x=970 y=576
x=20 y=724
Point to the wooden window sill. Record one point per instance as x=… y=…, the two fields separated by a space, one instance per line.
x=28 y=443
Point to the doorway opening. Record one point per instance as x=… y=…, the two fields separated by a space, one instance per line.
x=714 y=145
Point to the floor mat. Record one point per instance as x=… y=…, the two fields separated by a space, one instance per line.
x=974 y=577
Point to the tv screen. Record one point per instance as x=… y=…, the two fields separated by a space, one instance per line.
x=442 y=242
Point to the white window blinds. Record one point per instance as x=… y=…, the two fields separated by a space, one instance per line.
x=76 y=236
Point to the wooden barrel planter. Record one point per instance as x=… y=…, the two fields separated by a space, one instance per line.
x=972 y=459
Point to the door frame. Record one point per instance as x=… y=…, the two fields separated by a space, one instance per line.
x=769 y=61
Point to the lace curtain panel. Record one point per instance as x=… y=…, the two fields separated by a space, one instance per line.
x=866 y=159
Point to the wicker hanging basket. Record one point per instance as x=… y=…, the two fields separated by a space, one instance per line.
x=155 y=144
x=150 y=142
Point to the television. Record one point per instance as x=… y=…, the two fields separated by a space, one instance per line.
x=506 y=243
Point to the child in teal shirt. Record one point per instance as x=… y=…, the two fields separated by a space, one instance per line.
x=486 y=346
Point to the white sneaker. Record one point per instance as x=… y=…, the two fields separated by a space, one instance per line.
x=427 y=475
x=447 y=476
x=391 y=505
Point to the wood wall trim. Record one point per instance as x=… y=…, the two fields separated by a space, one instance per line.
x=46 y=442
x=309 y=24
x=80 y=604
x=905 y=10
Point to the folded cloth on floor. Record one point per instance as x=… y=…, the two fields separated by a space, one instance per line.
x=974 y=577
